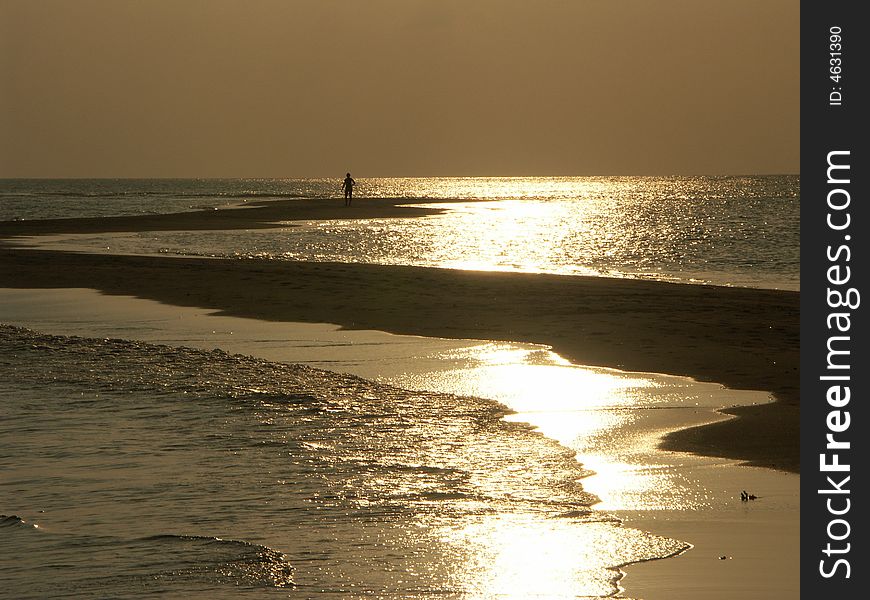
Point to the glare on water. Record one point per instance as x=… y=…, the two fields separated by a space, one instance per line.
x=611 y=419
x=741 y=231
x=497 y=511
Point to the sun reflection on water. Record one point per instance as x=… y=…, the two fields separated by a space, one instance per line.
x=727 y=231
x=613 y=420
x=522 y=556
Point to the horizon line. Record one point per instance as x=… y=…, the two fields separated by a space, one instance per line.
x=292 y=178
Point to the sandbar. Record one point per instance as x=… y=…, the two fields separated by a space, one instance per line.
x=739 y=337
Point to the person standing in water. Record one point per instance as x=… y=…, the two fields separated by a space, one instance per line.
x=348 y=189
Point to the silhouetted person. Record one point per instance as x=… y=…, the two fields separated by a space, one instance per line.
x=348 y=189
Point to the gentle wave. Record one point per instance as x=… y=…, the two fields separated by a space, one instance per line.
x=401 y=436
x=183 y=565
x=11 y=521
x=333 y=480
x=240 y=562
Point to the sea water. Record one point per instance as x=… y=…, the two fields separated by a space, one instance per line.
x=742 y=231
x=132 y=469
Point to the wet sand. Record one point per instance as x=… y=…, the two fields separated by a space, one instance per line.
x=245 y=215
x=687 y=497
x=742 y=338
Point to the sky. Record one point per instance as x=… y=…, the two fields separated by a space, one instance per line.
x=315 y=88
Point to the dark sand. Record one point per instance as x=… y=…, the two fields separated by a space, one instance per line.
x=742 y=338
x=249 y=215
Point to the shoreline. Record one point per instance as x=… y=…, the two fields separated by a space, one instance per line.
x=711 y=334
x=698 y=502
x=262 y=214
x=743 y=338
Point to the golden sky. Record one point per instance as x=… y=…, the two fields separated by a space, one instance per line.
x=309 y=88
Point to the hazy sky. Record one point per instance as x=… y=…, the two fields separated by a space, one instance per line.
x=307 y=88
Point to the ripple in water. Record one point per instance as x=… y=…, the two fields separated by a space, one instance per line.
x=206 y=474
x=742 y=231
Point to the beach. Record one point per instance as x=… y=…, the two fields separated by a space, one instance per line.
x=405 y=300
x=745 y=339
x=741 y=338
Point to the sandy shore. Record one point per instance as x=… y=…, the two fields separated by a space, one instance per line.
x=249 y=215
x=695 y=498
x=742 y=338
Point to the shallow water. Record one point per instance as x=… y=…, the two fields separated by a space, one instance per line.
x=612 y=419
x=742 y=231
x=131 y=467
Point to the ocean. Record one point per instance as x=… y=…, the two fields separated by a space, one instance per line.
x=737 y=231
x=131 y=468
